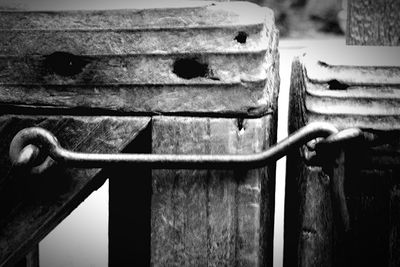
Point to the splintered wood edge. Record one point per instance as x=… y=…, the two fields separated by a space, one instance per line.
x=242 y=12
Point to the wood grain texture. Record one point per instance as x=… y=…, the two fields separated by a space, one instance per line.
x=211 y=217
x=370 y=174
x=126 y=60
x=236 y=99
x=31 y=206
x=95 y=15
x=140 y=69
x=373 y=22
x=315 y=240
x=308 y=205
x=349 y=96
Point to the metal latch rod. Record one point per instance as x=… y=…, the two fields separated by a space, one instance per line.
x=32 y=144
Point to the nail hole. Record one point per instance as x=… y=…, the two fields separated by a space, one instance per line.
x=189 y=68
x=336 y=85
x=65 y=64
x=241 y=37
x=240 y=123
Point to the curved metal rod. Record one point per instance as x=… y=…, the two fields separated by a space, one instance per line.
x=48 y=142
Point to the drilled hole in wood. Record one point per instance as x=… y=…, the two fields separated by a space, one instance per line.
x=241 y=37
x=189 y=68
x=336 y=85
x=65 y=64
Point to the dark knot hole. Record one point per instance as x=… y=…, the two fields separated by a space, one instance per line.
x=65 y=64
x=189 y=68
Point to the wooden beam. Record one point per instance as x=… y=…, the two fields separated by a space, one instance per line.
x=199 y=58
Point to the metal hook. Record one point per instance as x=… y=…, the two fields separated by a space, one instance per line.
x=49 y=145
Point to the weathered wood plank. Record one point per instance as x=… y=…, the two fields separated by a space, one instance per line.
x=67 y=59
x=205 y=217
x=31 y=206
x=308 y=207
x=373 y=22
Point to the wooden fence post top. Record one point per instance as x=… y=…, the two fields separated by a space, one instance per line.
x=350 y=95
x=191 y=58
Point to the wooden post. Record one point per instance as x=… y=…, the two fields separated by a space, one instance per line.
x=373 y=22
x=191 y=78
x=345 y=89
x=212 y=217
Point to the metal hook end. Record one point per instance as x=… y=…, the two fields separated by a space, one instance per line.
x=30 y=147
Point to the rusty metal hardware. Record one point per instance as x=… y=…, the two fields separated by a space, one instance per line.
x=38 y=148
x=316 y=147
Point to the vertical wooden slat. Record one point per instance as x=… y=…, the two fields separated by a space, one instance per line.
x=213 y=218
